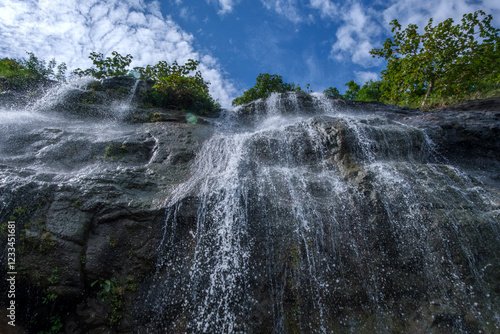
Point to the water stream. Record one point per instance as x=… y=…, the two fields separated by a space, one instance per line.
x=324 y=221
x=298 y=215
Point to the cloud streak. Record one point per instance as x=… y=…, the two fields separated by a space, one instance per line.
x=285 y=8
x=69 y=30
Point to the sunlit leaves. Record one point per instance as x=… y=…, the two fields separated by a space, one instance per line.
x=445 y=60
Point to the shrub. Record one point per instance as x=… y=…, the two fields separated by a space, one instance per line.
x=265 y=85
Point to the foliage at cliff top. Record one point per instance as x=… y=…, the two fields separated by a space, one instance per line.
x=106 y=67
x=175 y=86
x=446 y=60
x=265 y=85
x=23 y=73
x=369 y=92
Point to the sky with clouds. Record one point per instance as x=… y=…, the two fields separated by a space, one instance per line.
x=318 y=42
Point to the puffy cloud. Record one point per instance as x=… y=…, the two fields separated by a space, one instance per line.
x=69 y=30
x=355 y=36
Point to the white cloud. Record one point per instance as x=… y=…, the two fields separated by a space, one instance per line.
x=419 y=11
x=68 y=30
x=286 y=8
x=364 y=76
x=355 y=37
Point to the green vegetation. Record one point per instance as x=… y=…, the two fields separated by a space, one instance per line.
x=445 y=64
x=49 y=290
x=265 y=85
x=369 y=92
x=115 y=151
x=35 y=237
x=446 y=61
x=20 y=74
x=175 y=86
x=110 y=291
x=55 y=325
x=106 y=67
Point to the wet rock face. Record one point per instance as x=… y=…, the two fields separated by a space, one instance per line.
x=88 y=199
x=297 y=214
x=468 y=139
x=349 y=221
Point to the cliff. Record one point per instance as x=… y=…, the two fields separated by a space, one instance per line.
x=293 y=214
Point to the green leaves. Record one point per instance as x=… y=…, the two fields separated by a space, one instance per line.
x=176 y=86
x=369 y=92
x=333 y=92
x=446 y=60
x=182 y=88
x=106 y=67
x=265 y=85
x=22 y=74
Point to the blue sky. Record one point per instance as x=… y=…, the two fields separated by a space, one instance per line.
x=318 y=42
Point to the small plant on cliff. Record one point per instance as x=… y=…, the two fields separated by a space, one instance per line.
x=110 y=291
x=55 y=325
x=115 y=151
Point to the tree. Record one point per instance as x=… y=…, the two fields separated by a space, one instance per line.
x=106 y=67
x=333 y=92
x=24 y=73
x=175 y=86
x=445 y=60
x=370 y=91
x=180 y=88
x=265 y=85
x=351 y=94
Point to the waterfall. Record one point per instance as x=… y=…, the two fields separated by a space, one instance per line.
x=301 y=215
x=132 y=91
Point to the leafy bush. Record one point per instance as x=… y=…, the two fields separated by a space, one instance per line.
x=351 y=94
x=178 y=89
x=265 y=85
x=333 y=92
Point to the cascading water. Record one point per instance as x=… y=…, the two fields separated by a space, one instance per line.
x=293 y=214
x=301 y=217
